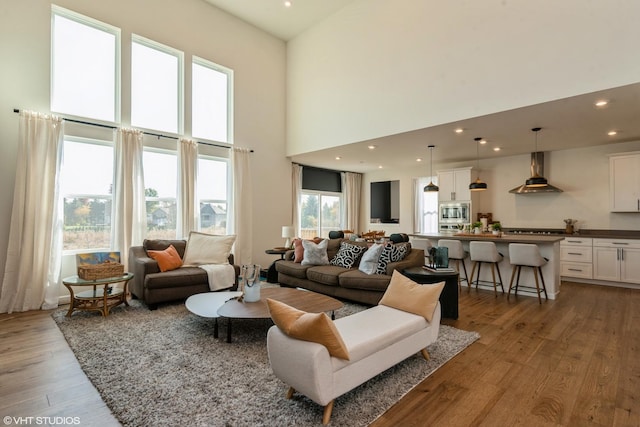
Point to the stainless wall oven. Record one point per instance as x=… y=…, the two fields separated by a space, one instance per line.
x=451 y=214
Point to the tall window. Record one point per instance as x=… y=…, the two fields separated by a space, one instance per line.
x=161 y=183
x=212 y=87
x=319 y=214
x=427 y=205
x=321 y=206
x=86 y=186
x=156 y=86
x=212 y=194
x=85 y=64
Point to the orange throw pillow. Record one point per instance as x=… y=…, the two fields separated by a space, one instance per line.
x=314 y=327
x=169 y=259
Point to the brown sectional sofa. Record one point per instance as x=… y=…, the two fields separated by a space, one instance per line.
x=152 y=286
x=347 y=283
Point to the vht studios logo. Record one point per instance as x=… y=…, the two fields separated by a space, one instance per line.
x=52 y=421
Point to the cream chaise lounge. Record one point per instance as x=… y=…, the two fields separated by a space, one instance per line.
x=375 y=340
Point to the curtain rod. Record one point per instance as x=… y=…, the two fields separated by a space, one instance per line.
x=158 y=135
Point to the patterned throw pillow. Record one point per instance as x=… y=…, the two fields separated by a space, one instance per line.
x=392 y=253
x=347 y=255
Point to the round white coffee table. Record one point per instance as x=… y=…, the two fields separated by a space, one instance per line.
x=208 y=303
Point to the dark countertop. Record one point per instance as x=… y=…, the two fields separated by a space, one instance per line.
x=505 y=238
x=604 y=234
x=556 y=235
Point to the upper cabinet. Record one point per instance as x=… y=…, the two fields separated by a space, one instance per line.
x=624 y=182
x=454 y=185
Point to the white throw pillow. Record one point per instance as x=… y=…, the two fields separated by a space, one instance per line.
x=369 y=261
x=207 y=249
x=315 y=254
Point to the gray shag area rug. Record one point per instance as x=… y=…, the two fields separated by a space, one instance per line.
x=165 y=368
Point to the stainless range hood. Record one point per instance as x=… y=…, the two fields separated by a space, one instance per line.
x=537 y=183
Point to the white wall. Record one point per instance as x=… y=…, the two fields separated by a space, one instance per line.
x=192 y=26
x=380 y=67
x=582 y=173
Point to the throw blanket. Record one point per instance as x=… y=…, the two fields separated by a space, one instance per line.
x=221 y=276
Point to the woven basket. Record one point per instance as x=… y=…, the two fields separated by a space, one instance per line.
x=100 y=271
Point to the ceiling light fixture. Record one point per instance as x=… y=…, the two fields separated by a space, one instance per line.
x=459 y=130
x=496 y=148
x=287 y=3
x=612 y=133
x=431 y=186
x=478 y=185
x=371 y=147
x=601 y=103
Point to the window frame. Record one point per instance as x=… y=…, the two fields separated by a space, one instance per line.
x=320 y=194
x=63 y=196
x=230 y=93
x=166 y=151
x=99 y=25
x=151 y=44
x=420 y=206
x=228 y=202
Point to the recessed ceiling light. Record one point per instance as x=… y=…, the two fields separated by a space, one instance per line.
x=459 y=130
x=380 y=167
x=338 y=157
x=372 y=147
x=496 y=148
x=601 y=103
x=482 y=141
x=612 y=133
x=418 y=159
x=287 y=3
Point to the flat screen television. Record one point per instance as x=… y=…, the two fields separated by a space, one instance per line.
x=385 y=202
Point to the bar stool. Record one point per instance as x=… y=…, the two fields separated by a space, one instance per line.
x=457 y=254
x=527 y=255
x=485 y=252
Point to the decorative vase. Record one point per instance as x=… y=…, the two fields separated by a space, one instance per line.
x=496 y=232
x=250 y=282
x=477 y=230
x=569 y=229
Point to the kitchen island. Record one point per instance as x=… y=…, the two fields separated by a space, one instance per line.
x=549 y=248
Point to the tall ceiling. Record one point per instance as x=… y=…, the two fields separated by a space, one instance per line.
x=275 y=18
x=566 y=123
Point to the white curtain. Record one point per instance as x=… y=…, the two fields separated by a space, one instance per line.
x=129 y=220
x=32 y=270
x=296 y=180
x=418 y=202
x=351 y=190
x=242 y=205
x=188 y=212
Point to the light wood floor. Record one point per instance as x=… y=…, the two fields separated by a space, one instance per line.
x=570 y=362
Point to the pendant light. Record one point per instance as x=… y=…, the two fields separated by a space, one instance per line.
x=536 y=180
x=478 y=185
x=431 y=186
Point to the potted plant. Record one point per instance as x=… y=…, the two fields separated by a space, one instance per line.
x=496 y=227
x=477 y=227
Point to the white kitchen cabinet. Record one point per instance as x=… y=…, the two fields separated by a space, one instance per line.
x=576 y=257
x=454 y=185
x=616 y=260
x=624 y=182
